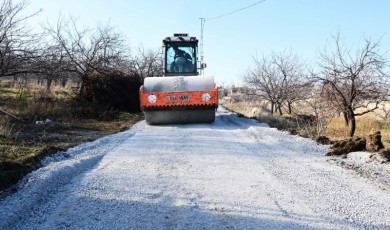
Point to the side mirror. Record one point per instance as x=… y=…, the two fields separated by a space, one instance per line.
x=203 y=65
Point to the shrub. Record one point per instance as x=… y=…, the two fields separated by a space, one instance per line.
x=116 y=91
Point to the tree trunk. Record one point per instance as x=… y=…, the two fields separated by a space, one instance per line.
x=346 y=119
x=280 y=109
x=63 y=82
x=48 y=84
x=353 y=127
x=289 y=108
x=351 y=116
x=272 y=108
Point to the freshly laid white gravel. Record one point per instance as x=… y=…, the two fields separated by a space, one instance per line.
x=232 y=174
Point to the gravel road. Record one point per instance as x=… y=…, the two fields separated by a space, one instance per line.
x=232 y=174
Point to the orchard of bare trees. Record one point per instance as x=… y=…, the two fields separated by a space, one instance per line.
x=279 y=79
x=346 y=82
x=96 y=59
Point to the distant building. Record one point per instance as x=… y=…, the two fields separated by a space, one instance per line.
x=236 y=94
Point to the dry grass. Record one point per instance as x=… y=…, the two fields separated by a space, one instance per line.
x=336 y=130
x=261 y=113
x=248 y=109
x=364 y=126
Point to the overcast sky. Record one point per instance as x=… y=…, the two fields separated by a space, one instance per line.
x=304 y=27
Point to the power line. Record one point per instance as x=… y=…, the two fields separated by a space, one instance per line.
x=235 y=11
x=203 y=22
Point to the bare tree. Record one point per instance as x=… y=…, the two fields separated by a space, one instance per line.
x=53 y=65
x=94 y=53
x=277 y=79
x=354 y=83
x=317 y=112
x=18 y=45
x=147 y=63
x=295 y=84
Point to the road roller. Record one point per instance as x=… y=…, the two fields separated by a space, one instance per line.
x=181 y=95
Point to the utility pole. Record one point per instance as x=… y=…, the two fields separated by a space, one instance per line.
x=202 y=66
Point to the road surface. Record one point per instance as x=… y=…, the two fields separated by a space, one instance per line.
x=232 y=174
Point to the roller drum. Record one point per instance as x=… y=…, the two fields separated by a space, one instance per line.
x=179 y=84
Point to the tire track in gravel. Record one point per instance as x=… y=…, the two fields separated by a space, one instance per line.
x=277 y=192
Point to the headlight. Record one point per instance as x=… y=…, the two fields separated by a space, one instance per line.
x=206 y=97
x=152 y=99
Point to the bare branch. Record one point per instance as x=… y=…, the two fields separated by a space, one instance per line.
x=279 y=79
x=18 y=45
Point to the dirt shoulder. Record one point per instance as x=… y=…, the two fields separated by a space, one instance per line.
x=22 y=152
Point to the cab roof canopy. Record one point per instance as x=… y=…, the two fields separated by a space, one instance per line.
x=180 y=37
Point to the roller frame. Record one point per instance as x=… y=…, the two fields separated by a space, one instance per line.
x=179 y=107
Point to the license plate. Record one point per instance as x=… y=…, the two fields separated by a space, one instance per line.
x=179 y=98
